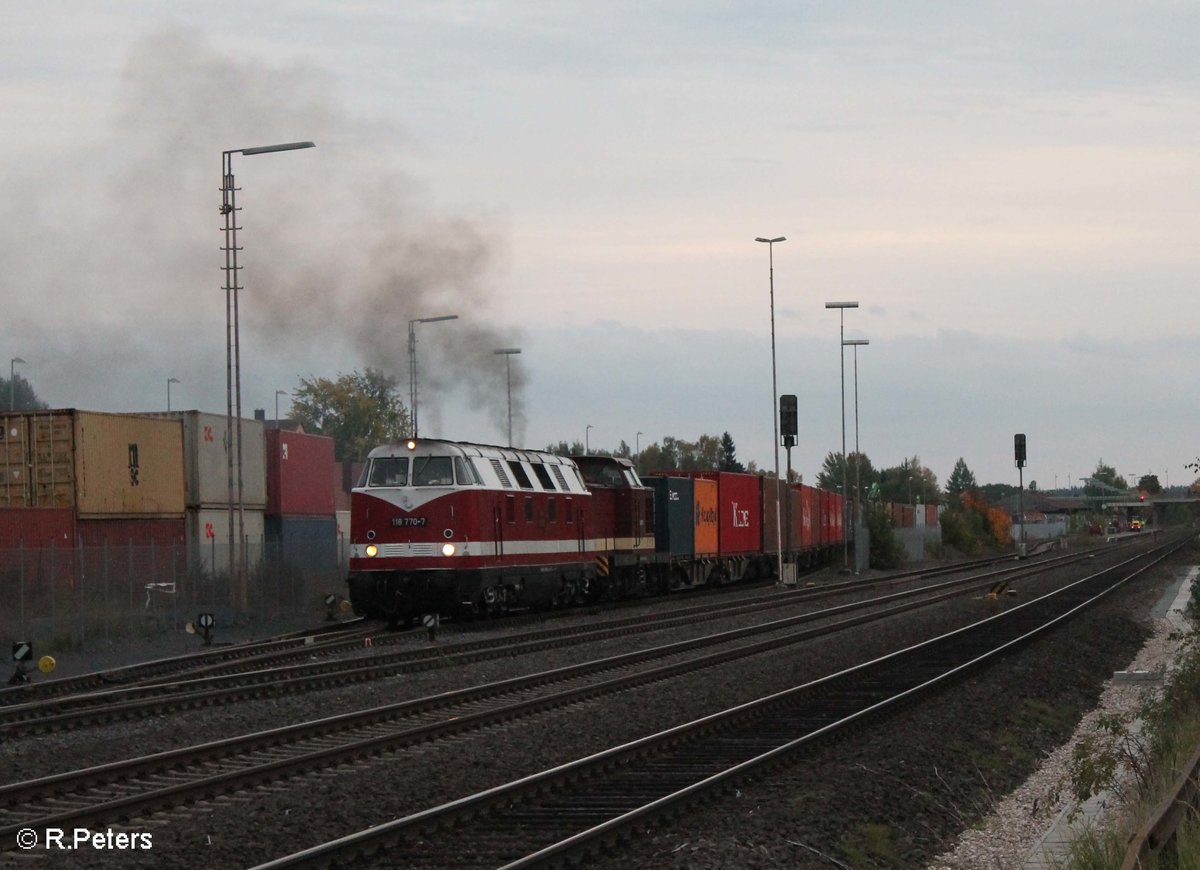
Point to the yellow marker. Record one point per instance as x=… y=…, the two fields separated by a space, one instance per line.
x=46 y=664
x=344 y=606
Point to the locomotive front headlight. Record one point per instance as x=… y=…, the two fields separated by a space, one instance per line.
x=448 y=549
x=372 y=551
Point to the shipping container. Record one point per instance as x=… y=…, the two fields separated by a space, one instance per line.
x=706 y=531
x=206 y=460
x=309 y=543
x=207 y=532
x=347 y=475
x=14 y=471
x=102 y=465
x=300 y=474
x=674 y=515
x=37 y=527
x=776 y=514
x=931 y=515
x=126 y=531
x=124 y=466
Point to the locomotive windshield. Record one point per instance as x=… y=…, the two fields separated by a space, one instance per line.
x=433 y=471
x=389 y=471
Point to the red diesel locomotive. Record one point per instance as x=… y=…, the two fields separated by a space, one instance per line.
x=469 y=529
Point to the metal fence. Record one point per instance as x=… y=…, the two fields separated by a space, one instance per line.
x=80 y=597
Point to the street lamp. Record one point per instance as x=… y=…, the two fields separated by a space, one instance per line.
x=842 y=306
x=412 y=361
x=638 y=442
x=233 y=351
x=856 y=343
x=507 y=353
x=770 y=243
x=169 y=382
x=12 y=380
x=587 y=444
x=279 y=393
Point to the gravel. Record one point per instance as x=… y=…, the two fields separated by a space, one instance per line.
x=896 y=795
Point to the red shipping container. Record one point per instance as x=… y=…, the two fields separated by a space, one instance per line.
x=138 y=532
x=931 y=515
x=37 y=527
x=301 y=474
x=739 y=510
x=809 y=517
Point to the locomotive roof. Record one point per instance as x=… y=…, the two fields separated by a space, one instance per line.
x=442 y=447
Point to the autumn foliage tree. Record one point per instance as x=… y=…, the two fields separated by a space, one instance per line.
x=359 y=411
x=972 y=525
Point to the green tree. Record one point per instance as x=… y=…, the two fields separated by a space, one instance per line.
x=729 y=460
x=993 y=493
x=359 y=411
x=1104 y=480
x=909 y=483
x=962 y=479
x=1149 y=483
x=19 y=392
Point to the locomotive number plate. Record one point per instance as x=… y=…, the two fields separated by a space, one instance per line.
x=408 y=521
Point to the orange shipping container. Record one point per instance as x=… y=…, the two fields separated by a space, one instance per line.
x=705 y=495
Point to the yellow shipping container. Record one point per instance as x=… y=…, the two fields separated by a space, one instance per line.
x=124 y=465
x=14 y=461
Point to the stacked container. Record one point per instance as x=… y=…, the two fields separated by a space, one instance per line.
x=301 y=523
x=211 y=506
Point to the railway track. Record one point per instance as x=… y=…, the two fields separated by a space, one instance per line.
x=564 y=814
x=133 y=788
x=286 y=666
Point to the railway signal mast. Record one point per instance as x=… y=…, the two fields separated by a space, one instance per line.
x=1019 y=451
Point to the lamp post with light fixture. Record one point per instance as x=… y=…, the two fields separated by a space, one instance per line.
x=412 y=362
x=842 y=306
x=856 y=343
x=169 y=382
x=233 y=353
x=587 y=444
x=770 y=243
x=12 y=382
x=279 y=393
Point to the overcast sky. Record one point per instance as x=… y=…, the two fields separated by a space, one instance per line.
x=1008 y=189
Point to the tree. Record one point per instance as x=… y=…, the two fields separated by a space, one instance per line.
x=860 y=473
x=729 y=461
x=1104 y=480
x=21 y=393
x=359 y=411
x=962 y=479
x=909 y=483
x=1148 y=483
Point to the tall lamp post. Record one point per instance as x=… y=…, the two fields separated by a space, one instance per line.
x=279 y=393
x=638 y=450
x=233 y=352
x=842 y=306
x=770 y=243
x=12 y=382
x=169 y=382
x=508 y=353
x=587 y=443
x=412 y=361
x=856 y=343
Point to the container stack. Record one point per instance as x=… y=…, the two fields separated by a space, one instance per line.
x=212 y=504
x=300 y=521
x=93 y=478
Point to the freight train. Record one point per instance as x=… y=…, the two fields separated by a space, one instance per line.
x=467 y=529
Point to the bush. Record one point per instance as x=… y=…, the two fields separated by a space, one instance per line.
x=886 y=552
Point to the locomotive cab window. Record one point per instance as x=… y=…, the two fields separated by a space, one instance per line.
x=465 y=473
x=433 y=471
x=389 y=471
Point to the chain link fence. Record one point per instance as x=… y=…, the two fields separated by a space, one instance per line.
x=80 y=597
